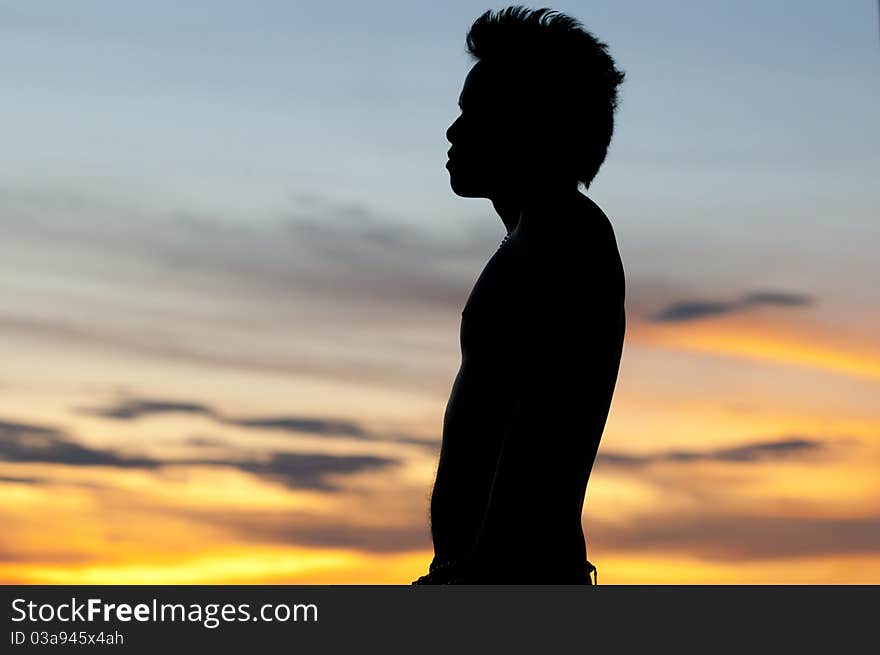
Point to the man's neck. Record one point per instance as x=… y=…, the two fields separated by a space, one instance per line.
x=509 y=209
x=549 y=214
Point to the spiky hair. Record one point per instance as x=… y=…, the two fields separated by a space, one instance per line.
x=569 y=70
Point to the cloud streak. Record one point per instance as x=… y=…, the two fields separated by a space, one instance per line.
x=791 y=447
x=22 y=443
x=692 y=310
x=312 y=471
x=130 y=409
x=29 y=444
x=310 y=530
x=724 y=536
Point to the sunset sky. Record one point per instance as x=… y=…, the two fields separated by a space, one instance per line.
x=232 y=271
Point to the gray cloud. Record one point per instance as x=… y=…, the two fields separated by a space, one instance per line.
x=312 y=470
x=27 y=443
x=48 y=482
x=381 y=539
x=10 y=429
x=777 y=298
x=22 y=443
x=718 y=535
x=134 y=408
x=202 y=441
x=744 y=453
x=690 y=310
x=297 y=424
x=11 y=479
x=15 y=553
x=310 y=530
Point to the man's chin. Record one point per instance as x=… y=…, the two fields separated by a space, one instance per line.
x=466 y=188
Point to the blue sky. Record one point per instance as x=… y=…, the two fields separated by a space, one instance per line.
x=744 y=122
x=225 y=91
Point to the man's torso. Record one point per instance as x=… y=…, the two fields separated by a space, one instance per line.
x=524 y=298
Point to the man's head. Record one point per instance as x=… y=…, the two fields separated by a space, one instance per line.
x=537 y=108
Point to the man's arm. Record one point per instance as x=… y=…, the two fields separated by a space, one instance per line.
x=558 y=412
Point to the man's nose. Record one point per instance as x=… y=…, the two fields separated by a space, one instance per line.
x=452 y=130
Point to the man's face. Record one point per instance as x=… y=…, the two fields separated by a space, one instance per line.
x=486 y=155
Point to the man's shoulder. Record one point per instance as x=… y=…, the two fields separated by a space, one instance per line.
x=586 y=261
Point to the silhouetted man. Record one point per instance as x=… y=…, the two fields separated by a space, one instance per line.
x=542 y=330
